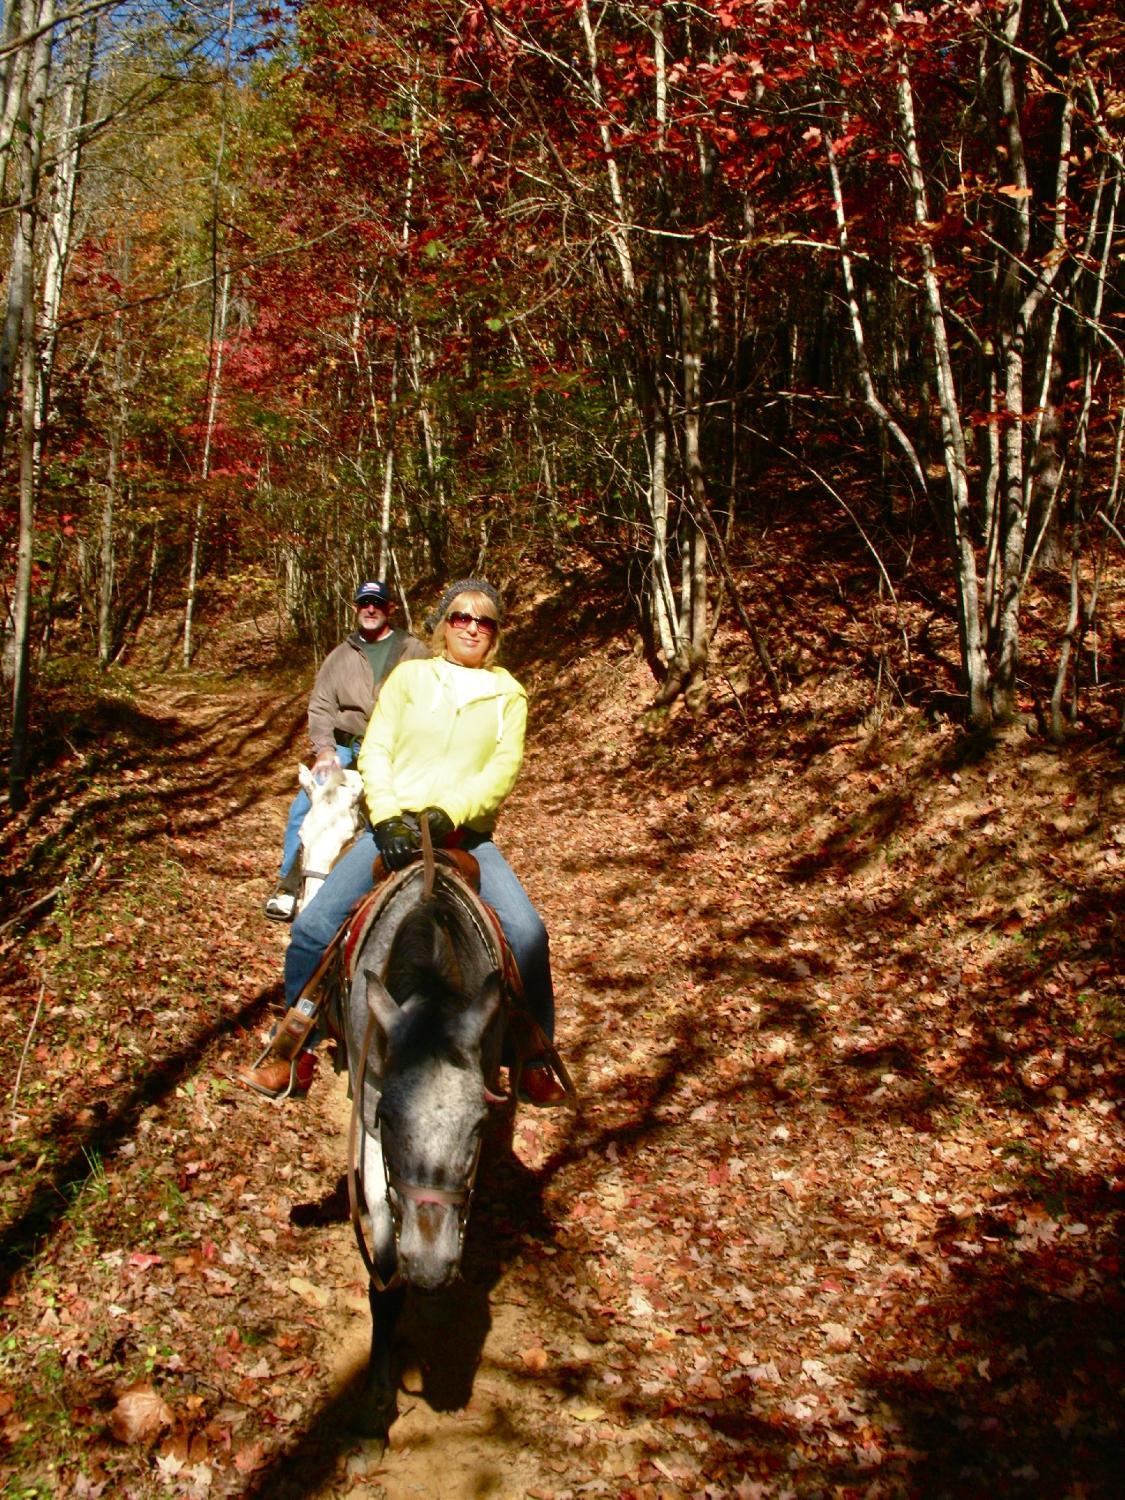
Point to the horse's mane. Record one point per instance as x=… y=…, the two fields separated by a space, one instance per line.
x=421 y=967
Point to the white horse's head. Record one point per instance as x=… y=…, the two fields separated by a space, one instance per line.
x=334 y=818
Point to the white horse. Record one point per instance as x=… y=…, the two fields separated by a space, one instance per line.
x=334 y=818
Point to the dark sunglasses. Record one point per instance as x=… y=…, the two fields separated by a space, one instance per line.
x=460 y=620
x=371 y=604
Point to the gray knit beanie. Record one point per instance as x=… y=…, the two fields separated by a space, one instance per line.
x=465 y=586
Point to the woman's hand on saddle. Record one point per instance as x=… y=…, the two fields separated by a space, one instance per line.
x=397 y=841
x=441 y=824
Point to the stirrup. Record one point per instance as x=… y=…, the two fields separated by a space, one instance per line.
x=277 y=1096
x=532 y=1044
x=287 y=1043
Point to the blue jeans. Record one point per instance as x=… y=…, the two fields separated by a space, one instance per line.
x=350 y=879
x=298 y=811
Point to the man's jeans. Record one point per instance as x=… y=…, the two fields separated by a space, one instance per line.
x=298 y=810
x=350 y=879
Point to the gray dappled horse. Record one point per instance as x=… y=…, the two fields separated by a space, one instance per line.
x=424 y=1017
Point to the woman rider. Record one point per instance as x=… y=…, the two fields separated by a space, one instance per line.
x=445 y=742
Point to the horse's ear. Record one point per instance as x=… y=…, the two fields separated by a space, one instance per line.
x=305 y=777
x=380 y=1004
x=484 y=1010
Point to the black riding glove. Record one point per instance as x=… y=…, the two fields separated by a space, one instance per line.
x=397 y=841
x=441 y=824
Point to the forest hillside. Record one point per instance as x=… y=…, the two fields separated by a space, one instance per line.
x=769 y=359
x=839 y=1213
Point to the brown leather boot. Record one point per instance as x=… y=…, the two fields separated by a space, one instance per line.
x=272 y=1077
x=539 y=1086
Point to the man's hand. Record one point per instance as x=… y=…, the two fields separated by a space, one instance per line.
x=397 y=841
x=323 y=764
x=441 y=824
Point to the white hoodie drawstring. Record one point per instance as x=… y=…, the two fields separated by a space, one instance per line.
x=437 y=703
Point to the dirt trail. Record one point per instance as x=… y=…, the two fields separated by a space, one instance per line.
x=474 y=1378
x=454 y=1433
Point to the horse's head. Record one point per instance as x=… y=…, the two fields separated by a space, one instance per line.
x=431 y=1114
x=332 y=821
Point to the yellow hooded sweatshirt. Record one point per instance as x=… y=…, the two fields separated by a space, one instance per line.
x=443 y=735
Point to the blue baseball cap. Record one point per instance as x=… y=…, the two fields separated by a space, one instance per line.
x=374 y=592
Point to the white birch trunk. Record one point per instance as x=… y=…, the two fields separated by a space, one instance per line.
x=661 y=593
x=618 y=232
x=388 y=472
x=1013 y=353
x=107 y=555
x=859 y=340
x=973 y=655
x=30 y=159
x=219 y=296
x=1070 y=631
x=214 y=386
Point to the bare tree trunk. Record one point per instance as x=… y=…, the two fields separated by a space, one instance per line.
x=974 y=660
x=74 y=114
x=546 y=465
x=214 y=387
x=109 y=505
x=859 y=340
x=16 y=103
x=647 y=393
x=19 y=22
x=10 y=335
x=695 y=663
x=1017 y=311
x=388 y=469
x=153 y=557
x=220 y=290
x=661 y=594
x=618 y=233
x=662 y=598
x=409 y=346
x=33 y=116
x=1074 y=617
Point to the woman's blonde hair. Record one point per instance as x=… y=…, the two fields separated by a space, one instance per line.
x=473 y=603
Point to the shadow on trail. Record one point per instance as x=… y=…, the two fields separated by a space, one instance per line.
x=446 y=1334
x=1005 y=1379
x=104 y=774
x=1013 y=1383
x=49 y=1201
x=441 y=1337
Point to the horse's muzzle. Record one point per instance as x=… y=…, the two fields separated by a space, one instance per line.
x=429 y=1244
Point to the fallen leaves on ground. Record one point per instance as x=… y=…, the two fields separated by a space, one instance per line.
x=839 y=1213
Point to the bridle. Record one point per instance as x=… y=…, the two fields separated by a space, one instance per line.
x=397 y=1189
x=322 y=875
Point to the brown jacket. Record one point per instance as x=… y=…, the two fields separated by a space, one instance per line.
x=344 y=692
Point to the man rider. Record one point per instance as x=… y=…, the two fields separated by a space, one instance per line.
x=340 y=705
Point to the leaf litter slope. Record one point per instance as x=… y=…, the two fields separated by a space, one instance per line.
x=839 y=1214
